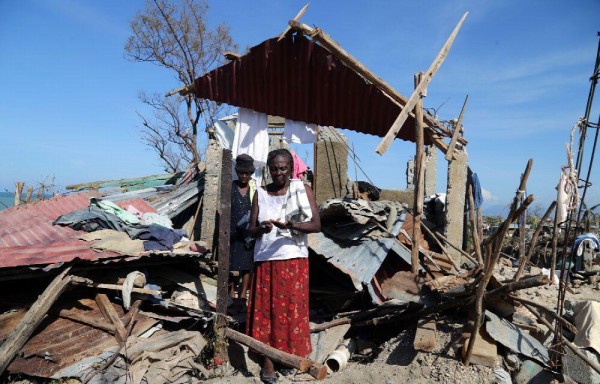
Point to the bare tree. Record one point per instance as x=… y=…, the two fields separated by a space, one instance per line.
x=175 y=35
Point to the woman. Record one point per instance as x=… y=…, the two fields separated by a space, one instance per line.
x=278 y=309
x=241 y=256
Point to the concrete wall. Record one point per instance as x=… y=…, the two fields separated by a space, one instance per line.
x=405 y=196
x=430 y=170
x=455 y=202
x=331 y=168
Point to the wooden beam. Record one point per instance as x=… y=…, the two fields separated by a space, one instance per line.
x=109 y=313
x=115 y=287
x=315 y=369
x=420 y=179
x=456 y=133
x=332 y=46
x=87 y=320
x=296 y=18
x=410 y=104
x=474 y=230
x=15 y=341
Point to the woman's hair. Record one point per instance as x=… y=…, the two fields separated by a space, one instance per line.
x=280 y=152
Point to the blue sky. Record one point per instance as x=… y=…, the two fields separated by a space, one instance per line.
x=68 y=98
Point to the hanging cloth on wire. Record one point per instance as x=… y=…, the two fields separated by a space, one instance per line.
x=299 y=166
x=299 y=132
x=252 y=138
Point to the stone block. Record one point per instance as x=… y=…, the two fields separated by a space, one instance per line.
x=579 y=370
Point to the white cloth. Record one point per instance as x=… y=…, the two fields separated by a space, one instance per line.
x=566 y=197
x=223 y=134
x=296 y=208
x=299 y=132
x=252 y=138
x=272 y=245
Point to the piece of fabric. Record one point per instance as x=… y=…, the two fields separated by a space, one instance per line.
x=586 y=237
x=114 y=241
x=587 y=321
x=112 y=208
x=273 y=245
x=159 y=238
x=252 y=138
x=278 y=309
x=477 y=194
x=566 y=195
x=149 y=218
x=91 y=219
x=223 y=134
x=128 y=286
x=296 y=208
x=299 y=166
x=241 y=258
x=299 y=132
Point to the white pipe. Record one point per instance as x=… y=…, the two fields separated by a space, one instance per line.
x=338 y=359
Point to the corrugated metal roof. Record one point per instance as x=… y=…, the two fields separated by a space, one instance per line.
x=27 y=236
x=300 y=80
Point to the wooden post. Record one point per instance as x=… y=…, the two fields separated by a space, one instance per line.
x=18 y=191
x=493 y=258
x=29 y=194
x=220 y=323
x=474 y=230
x=523 y=262
x=456 y=133
x=420 y=178
x=15 y=341
x=410 y=104
x=109 y=313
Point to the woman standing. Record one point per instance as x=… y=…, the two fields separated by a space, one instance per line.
x=241 y=256
x=281 y=217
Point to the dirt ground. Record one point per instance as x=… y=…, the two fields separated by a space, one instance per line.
x=396 y=361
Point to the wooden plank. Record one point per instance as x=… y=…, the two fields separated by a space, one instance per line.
x=316 y=370
x=474 y=227
x=109 y=313
x=15 y=341
x=296 y=18
x=224 y=218
x=456 y=133
x=412 y=101
x=425 y=337
x=87 y=320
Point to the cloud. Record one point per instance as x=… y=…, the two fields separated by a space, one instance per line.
x=487 y=195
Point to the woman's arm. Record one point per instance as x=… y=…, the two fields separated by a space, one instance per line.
x=264 y=227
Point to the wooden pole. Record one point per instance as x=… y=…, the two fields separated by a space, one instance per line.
x=523 y=262
x=456 y=134
x=410 y=104
x=565 y=323
x=18 y=191
x=328 y=43
x=220 y=323
x=315 y=369
x=15 y=340
x=465 y=254
x=419 y=175
x=296 y=18
x=474 y=230
x=493 y=258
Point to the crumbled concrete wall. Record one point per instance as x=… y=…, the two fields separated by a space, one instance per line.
x=430 y=169
x=410 y=174
x=455 y=202
x=210 y=200
x=331 y=168
x=579 y=370
x=404 y=196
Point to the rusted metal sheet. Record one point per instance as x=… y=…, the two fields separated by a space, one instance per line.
x=60 y=343
x=300 y=80
x=27 y=236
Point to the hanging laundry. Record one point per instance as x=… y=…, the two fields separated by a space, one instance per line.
x=299 y=132
x=252 y=138
x=299 y=166
x=566 y=197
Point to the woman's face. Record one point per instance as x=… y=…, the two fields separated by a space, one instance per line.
x=280 y=170
x=243 y=177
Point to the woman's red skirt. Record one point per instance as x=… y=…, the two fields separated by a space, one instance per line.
x=278 y=305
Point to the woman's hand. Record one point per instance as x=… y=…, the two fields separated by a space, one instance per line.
x=266 y=226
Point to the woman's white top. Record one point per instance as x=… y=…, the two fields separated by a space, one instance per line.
x=273 y=245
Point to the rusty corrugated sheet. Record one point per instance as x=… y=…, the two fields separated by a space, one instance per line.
x=300 y=80
x=361 y=261
x=28 y=238
x=59 y=343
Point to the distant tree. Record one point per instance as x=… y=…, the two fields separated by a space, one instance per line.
x=175 y=35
